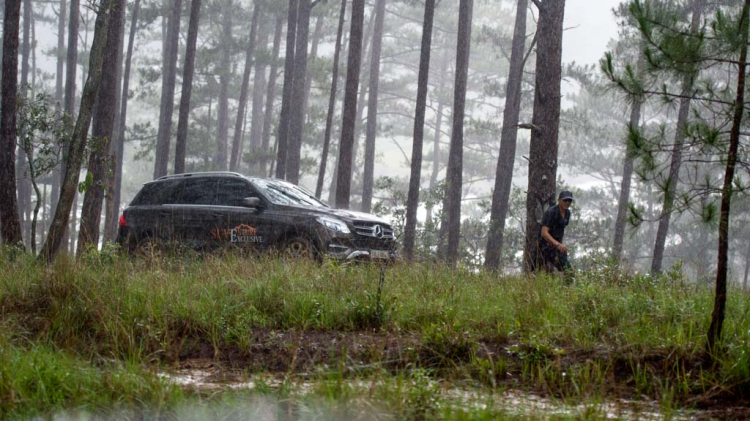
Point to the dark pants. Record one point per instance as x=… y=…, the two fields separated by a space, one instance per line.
x=549 y=258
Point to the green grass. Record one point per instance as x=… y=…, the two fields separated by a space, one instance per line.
x=39 y=379
x=606 y=334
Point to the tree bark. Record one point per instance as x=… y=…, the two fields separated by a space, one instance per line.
x=674 y=168
x=454 y=175
x=102 y=129
x=117 y=149
x=627 y=176
x=438 y=133
x=286 y=97
x=163 y=137
x=59 y=87
x=296 y=113
x=317 y=34
x=722 y=267
x=331 y=101
x=372 y=108
x=224 y=78
x=187 y=87
x=364 y=74
x=546 y=122
x=10 y=224
x=508 y=138
x=78 y=138
x=23 y=183
x=71 y=66
x=412 y=202
x=344 y=180
x=259 y=90
x=250 y=55
x=271 y=96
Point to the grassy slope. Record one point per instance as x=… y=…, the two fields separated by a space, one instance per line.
x=607 y=333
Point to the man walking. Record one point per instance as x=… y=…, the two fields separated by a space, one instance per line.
x=553 y=253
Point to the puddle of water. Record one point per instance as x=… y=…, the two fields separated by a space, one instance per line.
x=512 y=402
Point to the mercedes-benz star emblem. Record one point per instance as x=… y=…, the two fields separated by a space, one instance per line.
x=377 y=231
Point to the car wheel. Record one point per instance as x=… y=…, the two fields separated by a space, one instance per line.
x=299 y=248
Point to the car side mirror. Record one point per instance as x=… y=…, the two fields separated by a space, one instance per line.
x=251 y=202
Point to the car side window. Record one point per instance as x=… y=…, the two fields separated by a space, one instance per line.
x=155 y=194
x=232 y=192
x=197 y=191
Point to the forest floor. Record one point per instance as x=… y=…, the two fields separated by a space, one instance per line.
x=201 y=337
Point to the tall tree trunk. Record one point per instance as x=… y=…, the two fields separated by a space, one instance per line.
x=10 y=224
x=627 y=174
x=438 y=132
x=435 y=153
x=372 y=108
x=331 y=101
x=317 y=34
x=296 y=114
x=674 y=168
x=71 y=66
x=225 y=74
x=161 y=162
x=101 y=131
x=546 y=122
x=344 y=181
x=508 y=138
x=187 y=87
x=286 y=97
x=117 y=146
x=271 y=95
x=250 y=54
x=24 y=186
x=365 y=71
x=454 y=175
x=59 y=87
x=412 y=202
x=722 y=267
x=259 y=89
x=78 y=138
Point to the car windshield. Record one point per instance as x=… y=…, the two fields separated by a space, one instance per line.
x=283 y=193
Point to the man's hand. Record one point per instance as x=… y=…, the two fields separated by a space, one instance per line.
x=561 y=248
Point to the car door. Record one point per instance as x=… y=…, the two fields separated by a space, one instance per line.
x=197 y=223
x=245 y=226
x=151 y=212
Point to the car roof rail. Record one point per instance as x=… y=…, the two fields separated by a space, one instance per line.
x=191 y=174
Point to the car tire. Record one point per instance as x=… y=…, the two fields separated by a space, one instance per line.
x=300 y=248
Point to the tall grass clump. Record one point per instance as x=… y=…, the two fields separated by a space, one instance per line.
x=39 y=380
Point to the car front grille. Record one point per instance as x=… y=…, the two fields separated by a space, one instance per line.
x=374 y=230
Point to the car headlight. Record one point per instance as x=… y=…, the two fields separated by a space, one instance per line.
x=334 y=224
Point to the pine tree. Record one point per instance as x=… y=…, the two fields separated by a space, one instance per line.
x=545 y=123
x=77 y=145
x=10 y=224
x=454 y=174
x=416 y=152
x=343 y=185
x=187 y=87
x=508 y=137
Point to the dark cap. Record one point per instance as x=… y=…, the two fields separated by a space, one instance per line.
x=565 y=194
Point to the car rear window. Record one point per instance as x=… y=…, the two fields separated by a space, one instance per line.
x=155 y=194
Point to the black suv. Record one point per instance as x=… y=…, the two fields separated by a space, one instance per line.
x=212 y=210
